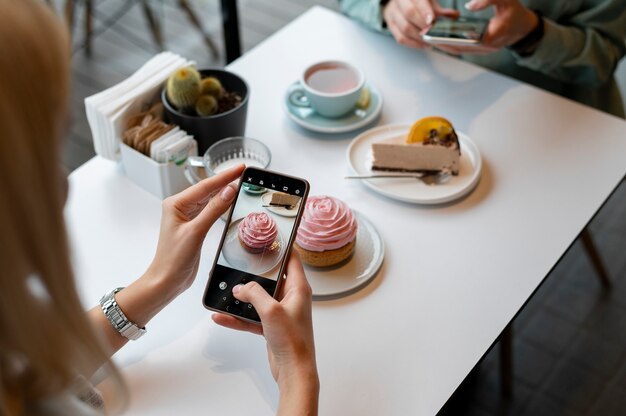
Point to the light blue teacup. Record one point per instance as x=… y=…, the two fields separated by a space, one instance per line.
x=331 y=88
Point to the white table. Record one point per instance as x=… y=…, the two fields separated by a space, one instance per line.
x=453 y=277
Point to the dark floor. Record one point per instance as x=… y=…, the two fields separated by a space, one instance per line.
x=570 y=340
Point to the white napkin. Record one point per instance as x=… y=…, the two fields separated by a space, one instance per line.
x=173 y=146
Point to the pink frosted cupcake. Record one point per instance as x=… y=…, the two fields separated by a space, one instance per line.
x=257 y=232
x=327 y=233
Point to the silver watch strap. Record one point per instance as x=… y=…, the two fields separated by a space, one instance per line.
x=117 y=318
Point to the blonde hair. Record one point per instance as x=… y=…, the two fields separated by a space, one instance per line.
x=45 y=337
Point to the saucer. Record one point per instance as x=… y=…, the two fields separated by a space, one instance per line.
x=311 y=120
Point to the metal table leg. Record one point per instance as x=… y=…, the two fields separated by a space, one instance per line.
x=230 y=22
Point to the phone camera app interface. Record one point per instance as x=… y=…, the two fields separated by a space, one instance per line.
x=256 y=241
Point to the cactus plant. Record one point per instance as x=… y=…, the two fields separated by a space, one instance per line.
x=206 y=105
x=183 y=88
x=212 y=86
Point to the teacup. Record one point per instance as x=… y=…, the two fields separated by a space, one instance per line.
x=331 y=88
x=227 y=153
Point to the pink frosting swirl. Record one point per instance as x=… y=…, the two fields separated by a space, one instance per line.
x=327 y=224
x=257 y=230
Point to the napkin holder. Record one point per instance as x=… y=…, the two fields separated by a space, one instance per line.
x=108 y=112
x=160 y=179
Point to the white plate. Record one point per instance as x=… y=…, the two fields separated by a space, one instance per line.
x=267 y=198
x=412 y=190
x=350 y=276
x=239 y=258
x=311 y=120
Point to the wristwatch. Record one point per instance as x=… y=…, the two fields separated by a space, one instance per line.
x=117 y=318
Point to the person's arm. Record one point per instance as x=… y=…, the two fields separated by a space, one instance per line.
x=582 y=48
x=288 y=328
x=185 y=221
x=368 y=12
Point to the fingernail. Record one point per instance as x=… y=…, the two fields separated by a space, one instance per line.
x=470 y=5
x=227 y=194
x=236 y=289
x=430 y=18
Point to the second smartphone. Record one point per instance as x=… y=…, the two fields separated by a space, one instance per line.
x=257 y=239
x=461 y=31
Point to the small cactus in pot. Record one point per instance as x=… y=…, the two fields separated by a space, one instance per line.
x=212 y=86
x=183 y=88
x=206 y=105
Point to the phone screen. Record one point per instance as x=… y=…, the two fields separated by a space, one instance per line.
x=257 y=239
x=462 y=28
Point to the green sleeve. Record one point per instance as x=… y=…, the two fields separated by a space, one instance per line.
x=368 y=12
x=583 y=48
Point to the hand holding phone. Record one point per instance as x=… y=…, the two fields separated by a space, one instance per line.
x=407 y=19
x=286 y=319
x=257 y=240
x=185 y=221
x=288 y=330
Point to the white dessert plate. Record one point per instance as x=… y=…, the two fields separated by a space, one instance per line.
x=285 y=212
x=239 y=258
x=412 y=190
x=311 y=120
x=350 y=276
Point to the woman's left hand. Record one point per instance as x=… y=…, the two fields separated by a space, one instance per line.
x=512 y=22
x=187 y=218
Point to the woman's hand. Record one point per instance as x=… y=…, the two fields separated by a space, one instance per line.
x=512 y=22
x=408 y=20
x=185 y=221
x=187 y=218
x=288 y=329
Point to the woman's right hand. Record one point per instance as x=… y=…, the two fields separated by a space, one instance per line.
x=408 y=20
x=287 y=327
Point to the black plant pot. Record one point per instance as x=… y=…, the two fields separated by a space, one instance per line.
x=210 y=129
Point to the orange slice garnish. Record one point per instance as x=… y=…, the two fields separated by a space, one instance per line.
x=421 y=129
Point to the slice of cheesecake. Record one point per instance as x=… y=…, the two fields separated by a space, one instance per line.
x=431 y=146
x=280 y=198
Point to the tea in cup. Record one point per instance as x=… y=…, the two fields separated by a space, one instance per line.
x=331 y=88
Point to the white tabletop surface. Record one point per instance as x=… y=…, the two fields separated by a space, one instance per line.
x=453 y=275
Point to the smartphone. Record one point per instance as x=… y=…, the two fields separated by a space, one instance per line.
x=257 y=239
x=461 y=31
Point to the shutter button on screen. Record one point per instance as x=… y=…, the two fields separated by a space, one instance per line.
x=223 y=285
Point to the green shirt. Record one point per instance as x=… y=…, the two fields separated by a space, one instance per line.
x=581 y=47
